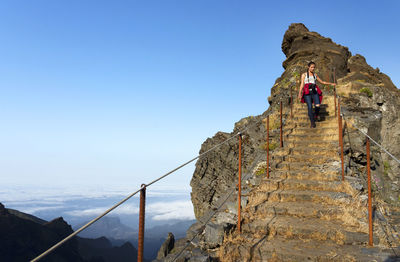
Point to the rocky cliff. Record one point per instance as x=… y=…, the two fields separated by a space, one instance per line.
x=369 y=100
x=23 y=237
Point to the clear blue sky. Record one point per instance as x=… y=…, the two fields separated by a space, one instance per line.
x=119 y=92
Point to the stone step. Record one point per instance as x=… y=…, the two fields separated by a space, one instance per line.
x=307 y=228
x=305 y=210
x=332 y=124
x=313 y=144
x=260 y=196
x=273 y=184
x=305 y=117
x=304 y=111
x=309 y=138
x=314 y=152
x=319 y=130
x=306 y=175
x=306 y=167
x=285 y=250
x=304 y=105
x=315 y=136
x=322 y=159
x=332 y=165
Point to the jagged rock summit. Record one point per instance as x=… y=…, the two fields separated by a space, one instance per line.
x=304 y=211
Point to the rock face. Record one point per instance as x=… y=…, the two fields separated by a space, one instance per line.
x=217 y=171
x=371 y=102
x=302 y=46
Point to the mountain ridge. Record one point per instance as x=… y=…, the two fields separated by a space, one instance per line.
x=25 y=236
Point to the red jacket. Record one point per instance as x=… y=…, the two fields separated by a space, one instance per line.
x=306 y=91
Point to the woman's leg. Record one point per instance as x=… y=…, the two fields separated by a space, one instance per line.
x=317 y=104
x=308 y=100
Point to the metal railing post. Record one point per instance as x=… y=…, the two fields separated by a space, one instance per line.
x=328 y=79
x=291 y=103
x=141 y=222
x=341 y=139
x=369 y=194
x=240 y=184
x=334 y=88
x=267 y=146
x=281 y=127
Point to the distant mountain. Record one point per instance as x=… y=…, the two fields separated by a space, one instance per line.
x=26 y=216
x=101 y=249
x=118 y=233
x=23 y=237
x=110 y=227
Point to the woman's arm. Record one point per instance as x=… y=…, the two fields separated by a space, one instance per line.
x=323 y=82
x=301 y=85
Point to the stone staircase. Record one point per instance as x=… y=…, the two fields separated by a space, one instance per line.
x=304 y=212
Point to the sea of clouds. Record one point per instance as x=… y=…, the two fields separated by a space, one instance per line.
x=78 y=204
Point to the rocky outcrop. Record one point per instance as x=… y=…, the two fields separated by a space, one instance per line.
x=370 y=101
x=166 y=247
x=302 y=46
x=216 y=172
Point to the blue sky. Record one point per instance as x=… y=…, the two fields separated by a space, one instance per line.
x=119 y=92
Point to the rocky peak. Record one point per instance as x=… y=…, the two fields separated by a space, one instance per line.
x=3 y=210
x=369 y=100
x=302 y=46
x=60 y=226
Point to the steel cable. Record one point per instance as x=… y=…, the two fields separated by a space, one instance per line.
x=131 y=195
x=379 y=192
x=220 y=206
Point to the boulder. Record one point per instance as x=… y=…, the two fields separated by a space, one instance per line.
x=167 y=246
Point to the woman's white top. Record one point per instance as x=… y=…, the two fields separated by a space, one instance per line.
x=310 y=79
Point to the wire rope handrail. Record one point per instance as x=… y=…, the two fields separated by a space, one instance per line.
x=208 y=220
x=51 y=249
x=369 y=138
x=234 y=188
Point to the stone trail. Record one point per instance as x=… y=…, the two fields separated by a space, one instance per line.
x=303 y=212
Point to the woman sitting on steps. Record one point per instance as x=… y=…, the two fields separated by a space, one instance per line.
x=310 y=93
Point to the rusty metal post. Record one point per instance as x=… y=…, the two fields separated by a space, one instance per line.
x=141 y=222
x=291 y=103
x=240 y=184
x=281 y=127
x=328 y=79
x=267 y=146
x=369 y=194
x=334 y=88
x=341 y=139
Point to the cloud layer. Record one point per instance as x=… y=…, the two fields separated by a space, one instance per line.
x=181 y=210
x=162 y=204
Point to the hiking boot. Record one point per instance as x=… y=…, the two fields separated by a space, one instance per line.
x=313 y=125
